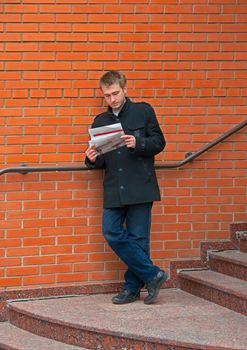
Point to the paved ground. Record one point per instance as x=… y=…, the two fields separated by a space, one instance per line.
x=177 y=316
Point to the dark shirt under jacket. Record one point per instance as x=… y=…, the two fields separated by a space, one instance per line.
x=129 y=173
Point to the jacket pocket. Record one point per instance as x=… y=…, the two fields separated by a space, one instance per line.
x=137 y=130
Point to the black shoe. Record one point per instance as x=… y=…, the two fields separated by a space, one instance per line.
x=125 y=296
x=154 y=286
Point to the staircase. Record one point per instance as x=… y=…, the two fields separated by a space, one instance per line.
x=224 y=283
x=208 y=312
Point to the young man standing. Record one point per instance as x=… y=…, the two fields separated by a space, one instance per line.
x=130 y=187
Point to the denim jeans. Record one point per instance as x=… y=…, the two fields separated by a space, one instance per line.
x=127 y=231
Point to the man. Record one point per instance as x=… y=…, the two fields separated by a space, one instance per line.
x=130 y=187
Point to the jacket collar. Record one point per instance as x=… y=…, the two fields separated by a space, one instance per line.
x=123 y=109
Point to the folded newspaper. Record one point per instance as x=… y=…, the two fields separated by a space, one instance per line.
x=106 y=138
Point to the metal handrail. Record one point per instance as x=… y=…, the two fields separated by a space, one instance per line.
x=24 y=169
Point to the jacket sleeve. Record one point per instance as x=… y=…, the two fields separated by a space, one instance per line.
x=154 y=141
x=98 y=164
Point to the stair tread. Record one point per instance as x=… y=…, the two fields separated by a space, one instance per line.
x=177 y=319
x=13 y=337
x=234 y=256
x=218 y=280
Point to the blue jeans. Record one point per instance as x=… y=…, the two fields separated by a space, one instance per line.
x=127 y=231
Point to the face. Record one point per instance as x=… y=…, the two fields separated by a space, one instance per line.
x=114 y=95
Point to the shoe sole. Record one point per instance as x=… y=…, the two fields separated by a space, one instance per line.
x=151 y=301
x=126 y=302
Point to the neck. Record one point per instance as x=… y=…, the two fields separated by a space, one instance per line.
x=116 y=111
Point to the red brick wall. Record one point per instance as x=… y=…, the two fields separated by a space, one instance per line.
x=188 y=59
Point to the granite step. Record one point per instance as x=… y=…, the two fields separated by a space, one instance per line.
x=177 y=321
x=221 y=289
x=229 y=262
x=14 y=338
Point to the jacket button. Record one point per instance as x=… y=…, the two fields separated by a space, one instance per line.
x=118 y=152
x=120 y=169
x=121 y=187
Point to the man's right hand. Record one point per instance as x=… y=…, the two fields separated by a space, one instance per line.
x=91 y=154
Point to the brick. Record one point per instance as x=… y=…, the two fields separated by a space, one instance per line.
x=10 y=56
x=22 y=271
x=178 y=28
x=55 y=65
x=220 y=37
x=149 y=8
x=29 y=242
x=118 y=28
x=192 y=37
x=148 y=28
x=56 y=269
x=190 y=18
x=54 y=8
x=71 y=37
x=38 y=280
x=5 y=93
x=10 y=18
x=188 y=253
x=106 y=37
x=133 y=37
x=56 y=27
x=39 y=223
x=22 y=66
x=23 y=233
x=26 y=8
x=38 y=260
x=163 y=56
x=54 y=47
x=39 y=56
x=10 y=282
x=36 y=17
x=88 y=267
x=119 y=9
x=106 y=256
x=94 y=56
x=103 y=276
x=72 y=258
x=22 y=251
x=25 y=27
x=90 y=9
x=10 y=262
x=10 y=75
x=102 y=18
x=73 y=277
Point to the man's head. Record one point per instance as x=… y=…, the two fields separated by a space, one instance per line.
x=113 y=86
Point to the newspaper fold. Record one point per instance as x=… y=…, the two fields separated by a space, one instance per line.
x=106 y=138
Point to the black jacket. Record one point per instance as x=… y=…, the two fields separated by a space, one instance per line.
x=129 y=173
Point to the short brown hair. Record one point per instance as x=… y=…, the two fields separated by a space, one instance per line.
x=113 y=77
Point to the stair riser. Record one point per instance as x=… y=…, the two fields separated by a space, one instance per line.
x=228 y=268
x=91 y=339
x=230 y=301
x=243 y=245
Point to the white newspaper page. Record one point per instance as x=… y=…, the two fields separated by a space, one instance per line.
x=106 y=138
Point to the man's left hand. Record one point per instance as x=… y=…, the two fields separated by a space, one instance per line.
x=129 y=140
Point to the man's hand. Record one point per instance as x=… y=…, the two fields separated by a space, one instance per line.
x=129 y=140
x=91 y=154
